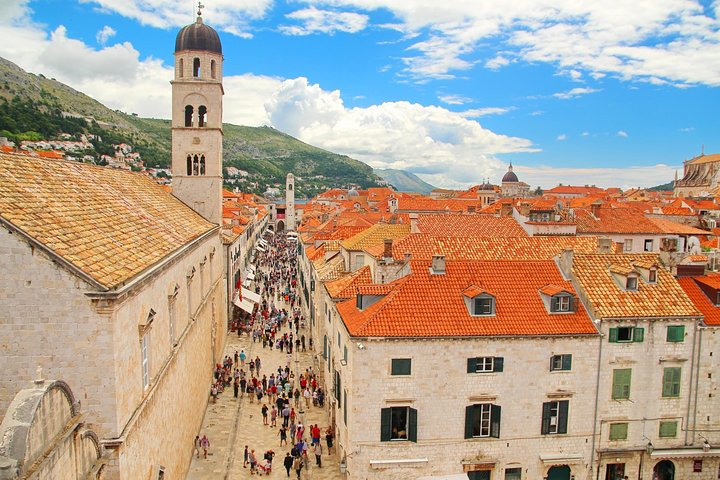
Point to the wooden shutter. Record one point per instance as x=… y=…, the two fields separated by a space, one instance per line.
x=613 y=335
x=469 y=410
x=621 y=383
x=545 y=426
x=563 y=416
x=567 y=362
x=385 y=424
x=495 y=411
x=638 y=334
x=555 y=306
x=671 y=382
x=472 y=365
x=676 y=333
x=412 y=425
x=498 y=363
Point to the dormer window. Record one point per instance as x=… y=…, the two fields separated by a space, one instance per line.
x=483 y=305
x=652 y=275
x=561 y=303
x=631 y=284
x=557 y=299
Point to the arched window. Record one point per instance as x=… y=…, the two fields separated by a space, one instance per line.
x=202 y=116
x=196 y=165
x=202 y=164
x=188 y=115
x=196 y=68
x=189 y=165
x=290 y=186
x=212 y=68
x=181 y=68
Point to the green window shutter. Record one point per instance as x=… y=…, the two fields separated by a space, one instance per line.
x=469 y=421
x=545 y=425
x=618 y=431
x=567 y=362
x=498 y=364
x=412 y=425
x=613 y=335
x=495 y=411
x=671 y=382
x=385 y=424
x=563 y=416
x=638 y=334
x=472 y=365
x=668 y=429
x=552 y=363
x=621 y=383
x=675 y=333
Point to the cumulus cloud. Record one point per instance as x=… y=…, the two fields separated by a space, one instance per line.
x=324 y=21
x=574 y=93
x=497 y=62
x=104 y=35
x=481 y=112
x=622 y=133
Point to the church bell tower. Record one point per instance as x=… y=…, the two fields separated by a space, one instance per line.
x=197 y=133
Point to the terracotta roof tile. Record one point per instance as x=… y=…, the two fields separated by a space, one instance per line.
x=425 y=305
x=344 y=287
x=664 y=298
x=670 y=227
x=614 y=220
x=376 y=235
x=111 y=224
x=469 y=226
x=710 y=311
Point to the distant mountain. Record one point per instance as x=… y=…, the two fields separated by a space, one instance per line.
x=665 y=187
x=404 y=181
x=32 y=105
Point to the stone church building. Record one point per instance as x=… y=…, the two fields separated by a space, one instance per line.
x=115 y=287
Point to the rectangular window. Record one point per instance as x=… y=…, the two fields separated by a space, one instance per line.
x=145 y=358
x=561 y=362
x=345 y=353
x=621 y=383
x=401 y=366
x=676 y=333
x=618 y=431
x=337 y=386
x=398 y=423
x=671 y=382
x=561 y=303
x=513 y=474
x=627 y=246
x=555 y=417
x=648 y=246
x=171 y=320
x=482 y=306
x=626 y=334
x=668 y=429
x=631 y=283
x=482 y=420
x=652 y=276
x=485 y=364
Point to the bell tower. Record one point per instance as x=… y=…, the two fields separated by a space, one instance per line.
x=197 y=132
x=290 y=202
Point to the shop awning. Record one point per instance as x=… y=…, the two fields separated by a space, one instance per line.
x=246 y=283
x=695 y=452
x=260 y=248
x=561 y=458
x=250 y=295
x=245 y=305
x=250 y=276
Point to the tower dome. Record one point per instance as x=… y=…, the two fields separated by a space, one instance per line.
x=198 y=36
x=510 y=175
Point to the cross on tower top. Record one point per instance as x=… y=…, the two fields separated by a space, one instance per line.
x=200 y=7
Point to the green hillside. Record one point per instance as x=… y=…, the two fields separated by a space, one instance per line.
x=404 y=181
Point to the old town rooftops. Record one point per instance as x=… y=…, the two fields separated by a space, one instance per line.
x=600 y=277
x=469 y=226
x=424 y=304
x=703 y=291
x=110 y=224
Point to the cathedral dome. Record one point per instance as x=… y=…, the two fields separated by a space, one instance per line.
x=198 y=36
x=510 y=176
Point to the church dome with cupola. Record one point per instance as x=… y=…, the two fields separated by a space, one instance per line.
x=198 y=36
x=510 y=175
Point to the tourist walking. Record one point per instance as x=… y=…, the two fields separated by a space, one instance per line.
x=288 y=463
x=205 y=444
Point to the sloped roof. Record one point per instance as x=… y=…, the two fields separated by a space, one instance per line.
x=614 y=220
x=426 y=305
x=375 y=234
x=664 y=298
x=111 y=224
x=469 y=226
x=698 y=297
x=668 y=226
x=344 y=287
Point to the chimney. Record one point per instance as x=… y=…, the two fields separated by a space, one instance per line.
x=413 y=223
x=566 y=261
x=595 y=208
x=506 y=209
x=438 y=265
x=604 y=245
x=387 y=252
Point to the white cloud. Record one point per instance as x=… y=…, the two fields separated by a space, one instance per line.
x=622 y=133
x=497 y=63
x=686 y=129
x=574 y=93
x=104 y=35
x=324 y=21
x=481 y=112
x=561 y=138
x=585 y=134
x=454 y=99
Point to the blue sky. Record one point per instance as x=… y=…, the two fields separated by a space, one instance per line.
x=604 y=92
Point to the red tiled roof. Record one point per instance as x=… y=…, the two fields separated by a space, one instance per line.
x=614 y=220
x=469 y=226
x=344 y=287
x=668 y=226
x=426 y=305
x=698 y=297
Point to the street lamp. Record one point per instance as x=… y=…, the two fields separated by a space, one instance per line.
x=649 y=447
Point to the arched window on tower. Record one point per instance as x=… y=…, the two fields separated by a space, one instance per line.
x=196 y=68
x=290 y=187
x=188 y=115
x=196 y=165
x=189 y=165
x=212 y=68
x=181 y=68
x=202 y=164
x=202 y=116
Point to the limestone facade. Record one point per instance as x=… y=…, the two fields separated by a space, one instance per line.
x=290 y=223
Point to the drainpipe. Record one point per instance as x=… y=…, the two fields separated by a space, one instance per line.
x=597 y=399
x=690 y=393
x=700 y=329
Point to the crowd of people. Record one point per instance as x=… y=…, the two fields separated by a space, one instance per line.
x=277 y=323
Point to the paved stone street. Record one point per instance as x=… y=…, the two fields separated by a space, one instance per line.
x=231 y=423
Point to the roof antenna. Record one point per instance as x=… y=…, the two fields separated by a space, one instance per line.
x=702 y=149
